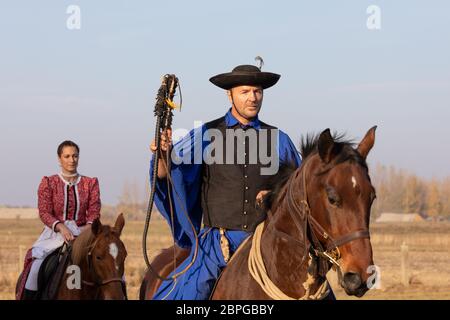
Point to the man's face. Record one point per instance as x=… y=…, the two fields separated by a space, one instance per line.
x=247 y=100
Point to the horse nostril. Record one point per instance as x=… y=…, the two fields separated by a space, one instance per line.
x=352 y=280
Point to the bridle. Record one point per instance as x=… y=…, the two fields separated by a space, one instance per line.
x=303 y=219
x=98 y=282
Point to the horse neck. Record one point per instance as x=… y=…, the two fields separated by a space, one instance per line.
x=282 y=220
x=283 y=245
x=86 y=292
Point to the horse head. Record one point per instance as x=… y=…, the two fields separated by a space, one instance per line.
x=104 y=259
x=339 y=193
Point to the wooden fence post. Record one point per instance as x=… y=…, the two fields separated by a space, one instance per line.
x=404 y=264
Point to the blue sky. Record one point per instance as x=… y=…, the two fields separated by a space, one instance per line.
x=97 y=85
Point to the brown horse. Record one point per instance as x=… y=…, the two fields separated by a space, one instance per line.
x=317 y=218
x=96 y=266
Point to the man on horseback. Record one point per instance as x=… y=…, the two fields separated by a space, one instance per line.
x=219 y=173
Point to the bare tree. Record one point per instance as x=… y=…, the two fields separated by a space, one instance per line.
x=434 y=203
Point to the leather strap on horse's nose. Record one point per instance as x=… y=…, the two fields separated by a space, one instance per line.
x=335 y=243
x=348 y=238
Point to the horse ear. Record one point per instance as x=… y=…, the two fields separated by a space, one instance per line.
x=325 y=146
x=120 y=223
x=96 y=227
x=367 y=142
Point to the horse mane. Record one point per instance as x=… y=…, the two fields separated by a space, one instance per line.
x=81 y=246
x=276 y=184
x=343 y=150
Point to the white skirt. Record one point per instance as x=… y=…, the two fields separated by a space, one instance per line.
x=47 y=242
x=50 y=240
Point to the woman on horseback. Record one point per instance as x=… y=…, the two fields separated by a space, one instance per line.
x=68 y=203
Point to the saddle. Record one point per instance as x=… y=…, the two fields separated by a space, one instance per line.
x=52 y=271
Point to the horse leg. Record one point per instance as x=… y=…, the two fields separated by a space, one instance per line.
x=163 y=265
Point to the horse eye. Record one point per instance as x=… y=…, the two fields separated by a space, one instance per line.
x=333 y=198
x=98 y=258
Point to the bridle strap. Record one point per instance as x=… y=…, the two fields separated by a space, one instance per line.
x=297 y=213
x=348 y=238
x=102 y=283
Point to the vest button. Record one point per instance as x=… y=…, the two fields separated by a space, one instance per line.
x=246 y=201
x=245 y=212
x=244 y=226
x=246 y=188
x=246 y=176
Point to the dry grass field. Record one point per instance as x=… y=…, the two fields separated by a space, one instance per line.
x=428 y=271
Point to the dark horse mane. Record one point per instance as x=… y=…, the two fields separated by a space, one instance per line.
x=343 y=151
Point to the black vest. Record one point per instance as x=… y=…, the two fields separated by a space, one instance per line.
x=229 y=190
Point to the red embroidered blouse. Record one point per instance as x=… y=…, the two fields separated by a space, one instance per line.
x=59 y=200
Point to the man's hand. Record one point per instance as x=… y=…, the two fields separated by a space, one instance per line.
x=260 y=197
x=65 y=232
x=165 y=142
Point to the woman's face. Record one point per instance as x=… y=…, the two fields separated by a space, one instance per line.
x=69 y=159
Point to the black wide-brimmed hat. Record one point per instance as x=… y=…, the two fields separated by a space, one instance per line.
x=245 y=75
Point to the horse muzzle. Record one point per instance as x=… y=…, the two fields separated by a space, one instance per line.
x=353 y=284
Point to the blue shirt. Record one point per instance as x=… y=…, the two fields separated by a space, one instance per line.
x=186 y=176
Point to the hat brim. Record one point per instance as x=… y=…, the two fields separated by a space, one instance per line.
x=234 y=79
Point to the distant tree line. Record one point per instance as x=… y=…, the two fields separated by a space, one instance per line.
x=133 y=202
x=403 y=192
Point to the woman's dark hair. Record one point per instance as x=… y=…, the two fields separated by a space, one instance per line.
x=67 y=143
